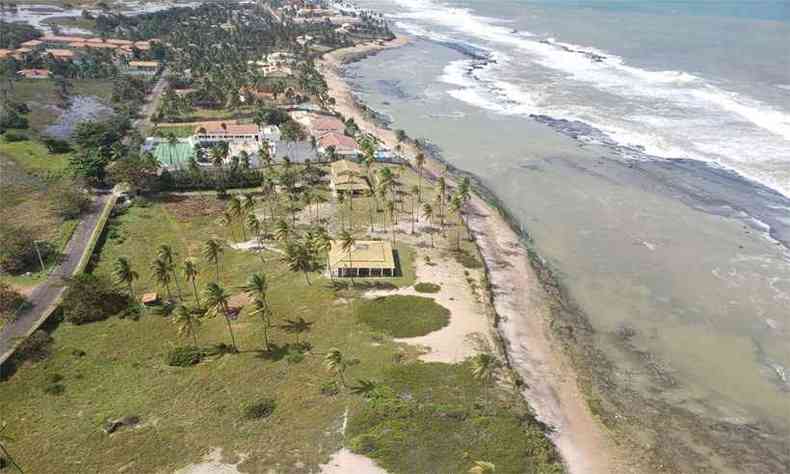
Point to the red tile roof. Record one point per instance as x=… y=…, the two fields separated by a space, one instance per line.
x=33 y=73
x=216 y=128
x=339 y=141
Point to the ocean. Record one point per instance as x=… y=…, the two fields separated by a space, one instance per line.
x=644 y=147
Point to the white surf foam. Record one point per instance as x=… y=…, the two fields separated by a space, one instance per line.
x=672 y=114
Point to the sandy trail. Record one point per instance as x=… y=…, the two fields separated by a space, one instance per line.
x=519 y=300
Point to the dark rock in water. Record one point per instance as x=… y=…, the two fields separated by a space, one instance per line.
x=467 y=49
x=114 y=425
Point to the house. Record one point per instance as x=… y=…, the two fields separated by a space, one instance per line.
x=34 y=73
x=208 y=133
x=322 y=124
x=347 y=177
x=343 y=145
x=150 y=299
x=142 y=68
x=61 y=54
x=31 y=43
x=366 y=258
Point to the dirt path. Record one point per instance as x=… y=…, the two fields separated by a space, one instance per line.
x=519 y=300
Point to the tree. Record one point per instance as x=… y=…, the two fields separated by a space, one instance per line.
x=455 y=208
x=347 y=243
x=4 y=439
x=257 y=288
x=297 y=327
x=191 y=273
x=265 y=312
x=427 y=213
x=217 y=303
x=235 y=209
x=484 y=368
x=212 y=252
x=187 y=322
x=300 y=257
x=322 y=242
x=482 y=467
x=124 y=274
x=336 y=363
x=420 y=160
x=282 y=231
x=139 y=171
x=160 y=271
x=413 y=192
x=167 y=255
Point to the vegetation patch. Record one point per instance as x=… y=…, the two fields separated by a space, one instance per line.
x=467 y=259
x=184 y=356
x=447 y=420
x=260 y=409
x=424 y=287
x=402 y=316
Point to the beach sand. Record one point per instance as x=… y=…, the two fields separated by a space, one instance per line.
x=518 y=297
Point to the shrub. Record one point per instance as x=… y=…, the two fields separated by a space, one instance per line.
x=54 y=378
x=56 y=146
x=17 y=251
x=184 y=356
x=10 y=300
x=68 y=201
x=11 y=137
x=260 y=409
x=89 y=298
x=54 y=389
x=35 y=347
x=402 y=316
x=427 y=288
x=467 y=260
x=294 y=357
x=329 y=388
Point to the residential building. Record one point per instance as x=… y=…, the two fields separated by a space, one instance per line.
x=61 y=54
x=366 y=258
x=343 y=145
x=347 y=177
x=214 y=132
x=142 y=68
x=34 y=73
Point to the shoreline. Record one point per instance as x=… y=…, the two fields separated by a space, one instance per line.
x=518 y=298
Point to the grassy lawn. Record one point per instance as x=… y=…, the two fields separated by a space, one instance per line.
x=180 y=131
x=424 y=287
x=34 y=157
x=438 y=414
x=437 y=418
x=402 y=316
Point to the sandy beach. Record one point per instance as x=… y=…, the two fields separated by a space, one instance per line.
x=518 y=299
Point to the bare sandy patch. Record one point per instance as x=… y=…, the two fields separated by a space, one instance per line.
x=346 y=462
x=212 y=464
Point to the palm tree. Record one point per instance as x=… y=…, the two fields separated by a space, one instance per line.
x=187 y=322
x=440 y=197
x=124 y=274
x=235 y=209
x=282 y=231
x=427 y=213
x=191 y=273
x=212 y=252
x=257 y=287
x=364 y=387
x=482 y=467
x=323 y=242
x=336 y=364
x=217 y=302
x=391 y=211
x=484 y=368
x=166 y=254
x=347 y=242
x=420 y=160
x=297 y=327
x=300 y=257
x=4 y=438
x=160 y=271
x=265 y=312
x=455 y=208
x=413 y=193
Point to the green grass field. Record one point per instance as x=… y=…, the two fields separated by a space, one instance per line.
x=402 y=316
x=450 y=420
x=34 y=157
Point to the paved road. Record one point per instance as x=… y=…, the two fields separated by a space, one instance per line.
x=151 y=103
x=47 y=293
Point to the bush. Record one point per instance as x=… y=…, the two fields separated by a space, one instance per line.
x=56 y=146
x=54 y=389
x=35 y=347
x=54 y=378
x=17 y=251
x=184 y=356
x=329 y=388
x=427 y=288
x=89 y=298
x=294 y=357
x=403 y=316
x=68 y=201
x=260 y=409
x=467 y=260
x=11 y=137
x=10 y=300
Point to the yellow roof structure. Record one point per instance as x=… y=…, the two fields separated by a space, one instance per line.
x=364 y=254
x=348 y=176
x=148 y=64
